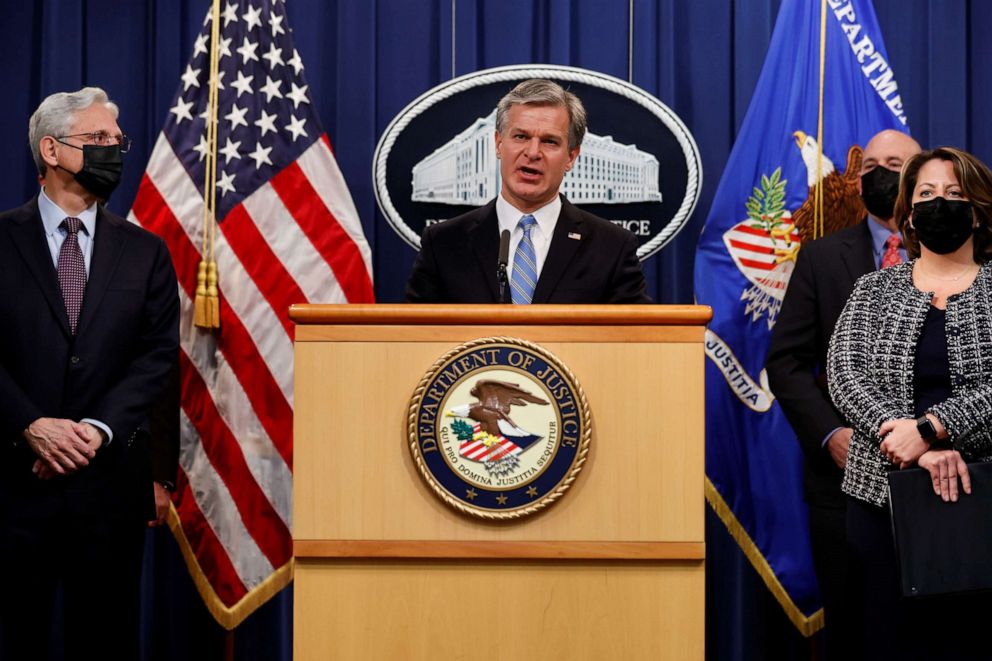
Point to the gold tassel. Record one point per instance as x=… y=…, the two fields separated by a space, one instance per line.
x=200 y=302
x=213 y=297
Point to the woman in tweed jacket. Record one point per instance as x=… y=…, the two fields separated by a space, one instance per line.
x=910 y=365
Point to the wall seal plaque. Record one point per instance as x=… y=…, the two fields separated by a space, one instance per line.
x=499 y=428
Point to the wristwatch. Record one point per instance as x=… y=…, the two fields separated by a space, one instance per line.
x=926 y=429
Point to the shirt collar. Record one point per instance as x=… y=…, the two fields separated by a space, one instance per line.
x=879 y=234
x=52 y=215
x=546 y=216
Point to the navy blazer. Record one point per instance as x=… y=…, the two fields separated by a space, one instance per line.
x=590 y=260
x=112 y=370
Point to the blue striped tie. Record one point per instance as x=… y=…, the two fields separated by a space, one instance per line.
x=524 y=277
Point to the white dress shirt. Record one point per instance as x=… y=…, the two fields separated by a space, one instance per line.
x=541 y=235
x=52 y=216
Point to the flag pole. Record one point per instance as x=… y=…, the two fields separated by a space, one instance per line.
x=206 y=305
x=818 y=220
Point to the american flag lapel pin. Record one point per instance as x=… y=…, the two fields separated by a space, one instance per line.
x=574 y=235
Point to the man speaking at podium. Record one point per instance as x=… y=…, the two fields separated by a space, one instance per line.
x=530 y=244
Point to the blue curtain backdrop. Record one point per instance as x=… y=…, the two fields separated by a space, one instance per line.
x=366 y=59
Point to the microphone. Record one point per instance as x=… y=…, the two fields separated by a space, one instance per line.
x=504 y=258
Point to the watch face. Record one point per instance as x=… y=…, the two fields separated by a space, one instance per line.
x=926 y=428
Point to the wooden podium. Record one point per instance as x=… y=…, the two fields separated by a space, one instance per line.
x=386 y=570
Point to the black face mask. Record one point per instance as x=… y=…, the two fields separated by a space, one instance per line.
x=941 y=225
x=102 y=168
x=879 y=189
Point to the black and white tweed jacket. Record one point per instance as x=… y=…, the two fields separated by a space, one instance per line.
x=870 y=369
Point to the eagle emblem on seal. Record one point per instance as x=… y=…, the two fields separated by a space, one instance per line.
x=493 y=438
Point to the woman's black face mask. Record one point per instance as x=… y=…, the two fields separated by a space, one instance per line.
x=943 y=225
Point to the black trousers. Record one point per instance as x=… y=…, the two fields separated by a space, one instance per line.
x=96 y=561
x=828 y=537
x=885 y=625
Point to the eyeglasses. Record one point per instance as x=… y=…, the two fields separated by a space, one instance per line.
x=101 y=139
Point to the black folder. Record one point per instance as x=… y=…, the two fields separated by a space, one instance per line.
x=943 y=548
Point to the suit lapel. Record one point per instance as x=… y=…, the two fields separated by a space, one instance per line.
x=859 y=257
x=28 y=236
x=560 y=253
x=107 y=246
x=484 y=239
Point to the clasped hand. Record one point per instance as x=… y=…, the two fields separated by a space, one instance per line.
x=63 y=446
x=903 y=444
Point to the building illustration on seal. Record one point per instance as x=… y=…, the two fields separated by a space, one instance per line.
x=464 y=171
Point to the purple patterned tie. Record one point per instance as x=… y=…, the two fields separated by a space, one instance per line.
x=72 y=271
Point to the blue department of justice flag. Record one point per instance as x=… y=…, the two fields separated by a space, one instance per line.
x=763 y=210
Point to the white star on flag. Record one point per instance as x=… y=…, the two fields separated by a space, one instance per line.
x=266 y=122
x=190 y=78
x=252 y=18
x=274 y=56
x=230 y=13
x=202 y=147
x=298 y=95
x=247 y=51
x=296 y=62
x=237 y=117
x=226 y=182
x=261 y=155
x=295 y=127
x=276 y=23
x=181 y=110
x=243 y=83
x=271 y=88
x=201 y=45
x=230 y=151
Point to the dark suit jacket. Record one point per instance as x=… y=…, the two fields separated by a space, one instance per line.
x=112 y=370
x=458 y=259
x=821 y=283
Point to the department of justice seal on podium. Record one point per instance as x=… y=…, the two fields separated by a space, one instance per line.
x=499 y=428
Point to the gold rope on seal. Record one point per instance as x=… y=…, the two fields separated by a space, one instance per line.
x=818 y=227
x=206 y=305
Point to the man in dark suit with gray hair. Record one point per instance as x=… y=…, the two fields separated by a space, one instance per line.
x=91 y=330
x=556 y=253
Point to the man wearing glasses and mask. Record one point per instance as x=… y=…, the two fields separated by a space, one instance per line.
x=90 y=331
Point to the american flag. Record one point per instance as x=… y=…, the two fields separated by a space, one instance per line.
x=288 y=232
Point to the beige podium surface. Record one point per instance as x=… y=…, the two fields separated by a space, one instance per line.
x=385 y=570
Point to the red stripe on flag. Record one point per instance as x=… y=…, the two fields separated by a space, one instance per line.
x=155 y=216
x=751 y=247
x=323 y=230
x=265 y=269
x=209 y=552
x=221 y=447
x=764 y=266
x=267 y=400
x=745 y=229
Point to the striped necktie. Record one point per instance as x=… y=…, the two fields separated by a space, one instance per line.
x=71 y=269
x=524 y=277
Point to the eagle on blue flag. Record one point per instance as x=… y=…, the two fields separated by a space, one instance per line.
x=791 y=176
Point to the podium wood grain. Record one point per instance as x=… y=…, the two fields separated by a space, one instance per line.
x=385 y=570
